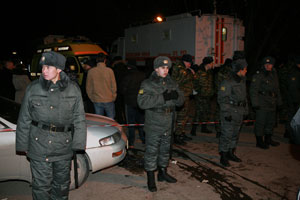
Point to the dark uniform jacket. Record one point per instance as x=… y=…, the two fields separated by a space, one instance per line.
x=151 y=99
x=293 y=86
x=264 y=90
x=130 y=86
x=232 y=97
x=44 y=104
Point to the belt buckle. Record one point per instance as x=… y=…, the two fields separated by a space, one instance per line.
x=52 y=128
x=168 y=110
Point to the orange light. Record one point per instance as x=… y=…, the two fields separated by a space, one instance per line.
x=159 y=19
x=116 y=154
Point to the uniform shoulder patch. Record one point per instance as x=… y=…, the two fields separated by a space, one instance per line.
x=222 y=88
x=141 y=91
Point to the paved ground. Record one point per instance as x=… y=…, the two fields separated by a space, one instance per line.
x=264 y=174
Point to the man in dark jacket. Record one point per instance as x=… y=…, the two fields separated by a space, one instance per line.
x=265 y=97
x=130 y=86
x=159 y=95
x=51 y=126
x=232 y=98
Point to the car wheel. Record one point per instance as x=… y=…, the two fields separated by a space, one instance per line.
x=82 y=169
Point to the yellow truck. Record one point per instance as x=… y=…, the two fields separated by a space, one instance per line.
x=75 y=50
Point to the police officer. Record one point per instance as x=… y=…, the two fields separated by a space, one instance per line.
x=203 y=83
x=293 y=91
x=232 y=98
x=224 y=73
x=159 y=95
x=265 y=97
x=183 y=75
x=51 y=125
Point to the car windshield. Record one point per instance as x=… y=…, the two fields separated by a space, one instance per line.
x=9 y=110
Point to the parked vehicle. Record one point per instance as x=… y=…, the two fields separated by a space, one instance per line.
x=76 y=51
x=106 y=146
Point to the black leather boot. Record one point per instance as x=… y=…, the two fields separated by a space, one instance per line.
x=151 y=181
x=194 y=129
x=260 y=143
x=185 y=137
x=269 y=141
x=204 y=129
x=164 y=176
x=179 y=140
x=233 y=157
x=224 y=159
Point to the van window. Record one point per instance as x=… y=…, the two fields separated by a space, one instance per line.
x=71 y=65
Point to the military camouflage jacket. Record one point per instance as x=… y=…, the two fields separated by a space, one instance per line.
x=204 y=82
x=264 y=90
x=184 y=78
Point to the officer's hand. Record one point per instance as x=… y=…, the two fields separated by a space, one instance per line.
x=228 y=118
x=174 y=94
x=167 y=95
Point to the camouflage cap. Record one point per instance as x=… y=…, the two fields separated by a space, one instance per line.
x=162 y=61
x=268 y=60
x=53 y=58
x=187 y=58
x=207 y=60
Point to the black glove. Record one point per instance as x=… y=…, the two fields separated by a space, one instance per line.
x=170 y=95
x=167 y=95
x=174 y=94
x=228 y=118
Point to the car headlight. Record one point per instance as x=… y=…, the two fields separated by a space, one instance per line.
x=112 y=139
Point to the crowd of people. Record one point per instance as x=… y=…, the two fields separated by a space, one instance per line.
x=172 y=96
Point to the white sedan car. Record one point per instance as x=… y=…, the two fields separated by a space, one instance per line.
x=106 y=146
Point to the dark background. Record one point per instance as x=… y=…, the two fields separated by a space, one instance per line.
x=271 y=26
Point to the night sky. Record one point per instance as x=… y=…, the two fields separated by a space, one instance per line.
x=269 y=23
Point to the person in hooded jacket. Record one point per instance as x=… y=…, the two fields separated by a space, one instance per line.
x=51 y=127
x=158 y=96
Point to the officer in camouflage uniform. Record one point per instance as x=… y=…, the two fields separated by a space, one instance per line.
x=224 y=73
x=50 y=127
x=183 y=75
x=293 y=94
x=204 y=86
x=232 y=98
x=159 y=95
x=265 y=97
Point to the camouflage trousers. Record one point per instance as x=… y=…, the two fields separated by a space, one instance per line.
x=183 y=116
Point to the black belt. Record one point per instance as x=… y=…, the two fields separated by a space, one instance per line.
x=240 y=103
x=52 y=127
x=163 y=110
x=271 y=94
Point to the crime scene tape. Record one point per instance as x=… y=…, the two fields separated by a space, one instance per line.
x=180 y=123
